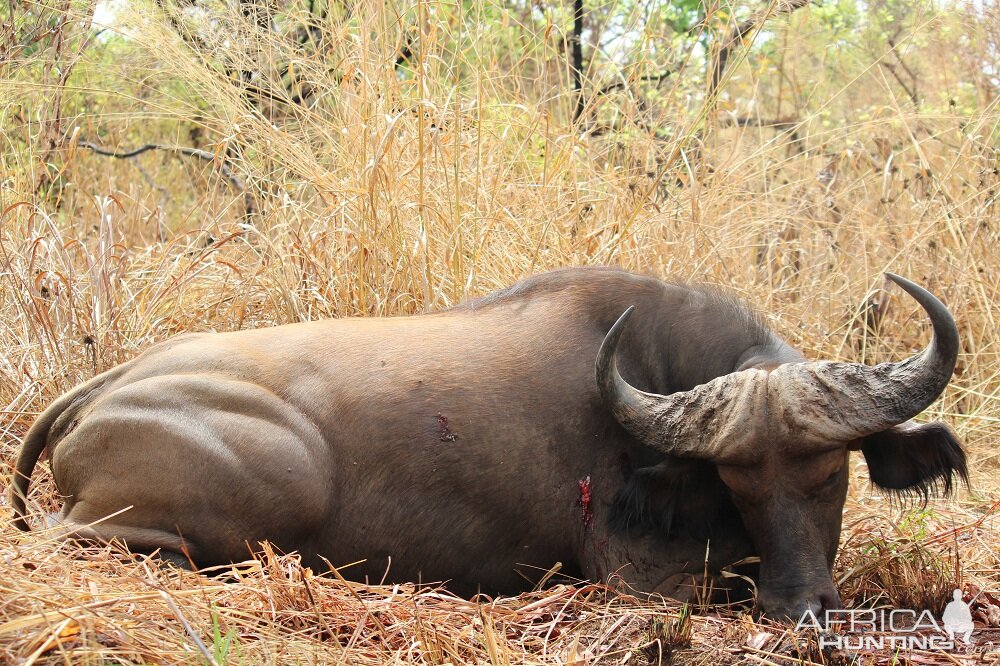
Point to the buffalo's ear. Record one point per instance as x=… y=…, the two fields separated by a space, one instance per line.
x=915 y=458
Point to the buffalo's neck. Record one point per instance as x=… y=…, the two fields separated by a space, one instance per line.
x=682 y=347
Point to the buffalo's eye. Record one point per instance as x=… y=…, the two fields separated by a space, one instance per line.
x=832 y=479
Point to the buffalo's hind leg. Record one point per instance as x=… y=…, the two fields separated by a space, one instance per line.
x=165 y=546
x=179 y=560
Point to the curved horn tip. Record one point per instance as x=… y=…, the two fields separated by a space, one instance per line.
x=606 y=355
x=618 y=327
x=623 y=318
x=906 y=284
x=915 y=290
x=946 y=344
x=931 y=303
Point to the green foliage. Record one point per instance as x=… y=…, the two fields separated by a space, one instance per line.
x=225 y=645
x=646 y=67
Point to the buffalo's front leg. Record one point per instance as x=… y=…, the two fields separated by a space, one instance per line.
x=679 y=567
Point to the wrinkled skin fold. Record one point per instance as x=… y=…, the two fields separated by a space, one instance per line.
x=478 y=445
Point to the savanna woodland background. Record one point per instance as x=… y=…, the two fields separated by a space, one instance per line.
x=178 y=165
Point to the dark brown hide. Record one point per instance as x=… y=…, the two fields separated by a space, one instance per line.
x=463 y=445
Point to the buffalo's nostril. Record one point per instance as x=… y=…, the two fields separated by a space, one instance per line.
x=796 y=607
x=830 y=601
x=788 y=610
x=815 y=607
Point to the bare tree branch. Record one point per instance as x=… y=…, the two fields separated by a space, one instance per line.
x=405 y=52
x=911 y=88
x=789 y=126
x=740 y=31
x=576 y=53
x=626 y=83
x=249 y=204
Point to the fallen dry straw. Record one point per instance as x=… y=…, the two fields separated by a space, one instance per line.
x=63 y=605
x=274 y=611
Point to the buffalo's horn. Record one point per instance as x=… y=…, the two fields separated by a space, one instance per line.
x=848 y=401
x=711 y=421
x=803 y=402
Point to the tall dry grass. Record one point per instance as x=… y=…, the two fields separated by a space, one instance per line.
x=396 y=190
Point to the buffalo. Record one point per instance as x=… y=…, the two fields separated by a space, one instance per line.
x=478 y=445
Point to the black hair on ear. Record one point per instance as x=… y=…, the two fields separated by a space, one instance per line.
x=914 y=460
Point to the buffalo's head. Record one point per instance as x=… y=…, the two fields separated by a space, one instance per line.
x=780 y=440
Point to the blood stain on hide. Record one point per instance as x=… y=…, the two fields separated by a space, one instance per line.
x=586 y=513
x=444 y=432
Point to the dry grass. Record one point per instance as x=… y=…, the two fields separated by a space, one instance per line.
x=397 y=192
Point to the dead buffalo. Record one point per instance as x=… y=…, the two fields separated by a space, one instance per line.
x=475 y=444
